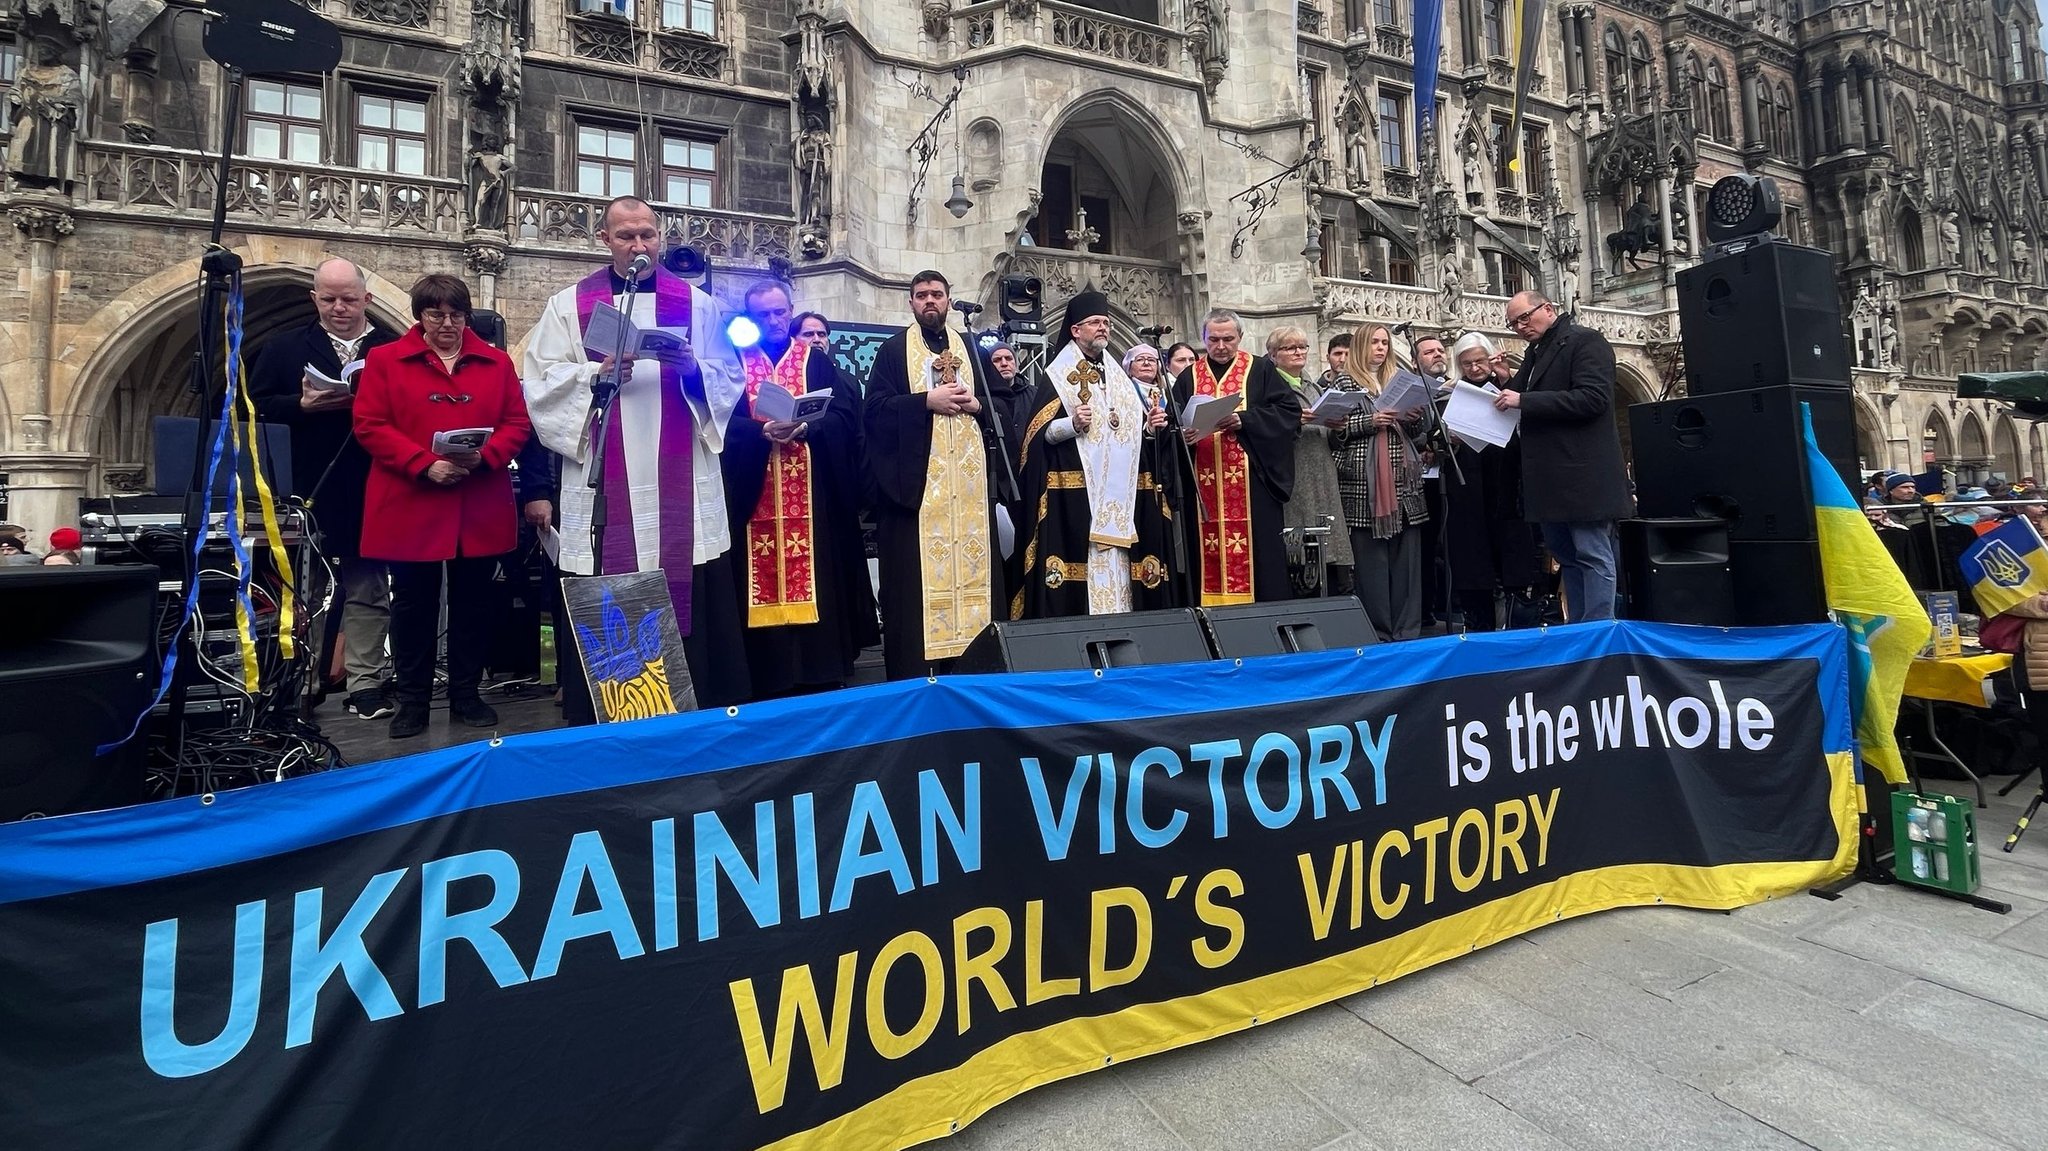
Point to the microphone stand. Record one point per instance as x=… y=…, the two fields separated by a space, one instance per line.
x=992 y=426
x=1435 y=433
x=1178 y=496
x=604 y=396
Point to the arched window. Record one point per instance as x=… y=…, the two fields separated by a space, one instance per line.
x=1493 y=23
x=2016 y=51
x=1696 y=91
x=1905 y=135
x=1766 y=119
x=1616 y=59
x=1912 y=239
x=1717 y=104
x=1639 y=68
x=1788 y=117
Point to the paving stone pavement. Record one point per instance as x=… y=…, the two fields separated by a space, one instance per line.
x=1888 y=1018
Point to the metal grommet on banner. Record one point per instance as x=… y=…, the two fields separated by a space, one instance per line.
x=931 y=679
x=497 y=740
x=732 y=711
x=206 y=800
x=1237 y=663
x=1098 y=673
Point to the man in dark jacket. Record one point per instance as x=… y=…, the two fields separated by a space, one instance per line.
x=330 y=468
x=1573 y=484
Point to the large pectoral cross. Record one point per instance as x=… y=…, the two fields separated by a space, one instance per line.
x=1084 y=377
x=947 y=367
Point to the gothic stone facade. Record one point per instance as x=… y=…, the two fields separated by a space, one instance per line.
x=1177 y=154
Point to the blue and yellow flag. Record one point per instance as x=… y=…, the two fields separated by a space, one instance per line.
x=1869 y=595
x=2006 y=565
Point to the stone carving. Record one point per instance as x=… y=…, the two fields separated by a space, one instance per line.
x=1951 y=239
x=44 y=104
x=1987 y=247
x=1863 y=323
x=484 y=259
x=1475 y=167
x=490 y=170
x=1451 y=292
x=396 y=13
x=40 y=223
x=1111 y=40
x=691 y=56
x=2022 y=259
x=1208 y=39
x=938 y=18
x=812 y=79
x=1888 y=340
x=811 y=154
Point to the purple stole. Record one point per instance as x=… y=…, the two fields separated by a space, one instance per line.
x=677 y=480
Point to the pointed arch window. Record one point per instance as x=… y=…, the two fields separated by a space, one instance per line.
x=1639 y=68
x=1615 y=56
x=1696 y=91
x=1717 y=104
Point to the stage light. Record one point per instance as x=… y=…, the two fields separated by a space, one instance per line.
x=742 y=332
x=988 y=339
x=1741 y=205
x=1023 y=305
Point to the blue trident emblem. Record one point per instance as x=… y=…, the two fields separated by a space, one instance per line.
x=2003 y=565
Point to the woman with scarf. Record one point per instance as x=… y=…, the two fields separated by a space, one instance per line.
x=1379 y=475
x=1315 y=502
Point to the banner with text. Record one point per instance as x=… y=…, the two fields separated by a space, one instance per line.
x=859 y=920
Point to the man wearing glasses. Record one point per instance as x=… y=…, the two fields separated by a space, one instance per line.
x=1573 y=484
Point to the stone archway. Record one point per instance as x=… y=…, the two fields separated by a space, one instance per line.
x=134 y=354
x=1630 y=388
x=2007 y=458
x=1873 y=448
x=1973 y=448
x=1937 y=441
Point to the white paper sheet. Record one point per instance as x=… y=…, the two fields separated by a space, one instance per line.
x=1203 y=413
x=1472 y=417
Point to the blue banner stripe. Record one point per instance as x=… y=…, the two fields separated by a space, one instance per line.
x=47 y=857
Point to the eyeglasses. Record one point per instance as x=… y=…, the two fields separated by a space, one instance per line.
x=443 y=319
x=1292 y=348
x=1518 y=321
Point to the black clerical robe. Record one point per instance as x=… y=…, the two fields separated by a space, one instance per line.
x=1055 y=527
x=1271 y=422
x=789 y=657
x=899 y=451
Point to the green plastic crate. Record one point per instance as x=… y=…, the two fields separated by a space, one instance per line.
x=1934 y=841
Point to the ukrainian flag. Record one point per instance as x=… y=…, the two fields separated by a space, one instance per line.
x=2005 y=566
x=1870 y=597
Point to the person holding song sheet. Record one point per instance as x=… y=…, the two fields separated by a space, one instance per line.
x=1492 y=552
x=931 y=452
x=1315 y=503
x=441 y=414
x=1380 y=475
x=1244 y=469
x=1096 y=541
x=664 y=491
x=793 y=491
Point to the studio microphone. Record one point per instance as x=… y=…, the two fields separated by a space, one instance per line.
x=641 y=263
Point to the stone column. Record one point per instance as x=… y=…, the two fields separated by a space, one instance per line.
x=1873 y=112
x=1751 y=133
x=1839 y=90
x=1812 y=120
x=138 y=121
x=485 y=255
x=44 y=222
x=1574 y=62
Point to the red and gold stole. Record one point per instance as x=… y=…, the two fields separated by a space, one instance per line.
x=1223 y=475
x=779 y=540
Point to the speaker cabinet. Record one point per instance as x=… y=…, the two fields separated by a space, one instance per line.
x=1777 y=582
x=1076 y=643
x=1766 y=315
x=1325 y=624
x=1740 y=457
x=1677 y=571
x=77 y=665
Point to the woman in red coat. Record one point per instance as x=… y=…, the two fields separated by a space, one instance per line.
x=425 y=508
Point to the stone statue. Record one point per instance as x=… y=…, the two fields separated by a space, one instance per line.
x=1888 y=340
x=810 y=52
x=1987 y=248
x=490 y=167
x=1951 y=240
x=1451 y=293
x=1474 y=168
x=811 y=154
x=2022 y=259
x=1358 y=150
x=43 y=105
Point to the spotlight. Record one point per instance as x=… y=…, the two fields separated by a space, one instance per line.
x=1741 y=205
x=742 y=332
x=1023 y=306
x=684 y=261
x=988 y=339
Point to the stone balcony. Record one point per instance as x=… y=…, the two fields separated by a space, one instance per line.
x=1951 y=284
x=1356 y=301
x=139 y=180
x=563 y=220
x=1149 y=291
x=1090 y=37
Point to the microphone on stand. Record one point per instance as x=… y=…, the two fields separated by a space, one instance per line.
x=641 y=263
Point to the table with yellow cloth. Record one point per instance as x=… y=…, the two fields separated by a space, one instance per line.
x=1959 y=679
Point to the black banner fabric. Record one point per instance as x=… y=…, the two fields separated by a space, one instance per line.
x=861 y=920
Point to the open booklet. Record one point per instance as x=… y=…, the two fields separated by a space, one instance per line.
x=1203 y=413
x=1405 y=393
x=346 y=382
x=460 y=440
x=1333 y=407
x=608 y=326
x=776 y=405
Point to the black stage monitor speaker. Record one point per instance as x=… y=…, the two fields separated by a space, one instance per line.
x=77 y=664
x=1677 y=571
x=1741 y=457
x=1766 y=315
x=1326 y=624
x=1077 y=643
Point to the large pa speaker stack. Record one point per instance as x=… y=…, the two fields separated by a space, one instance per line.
x=77 y=665
x=1762 y=330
